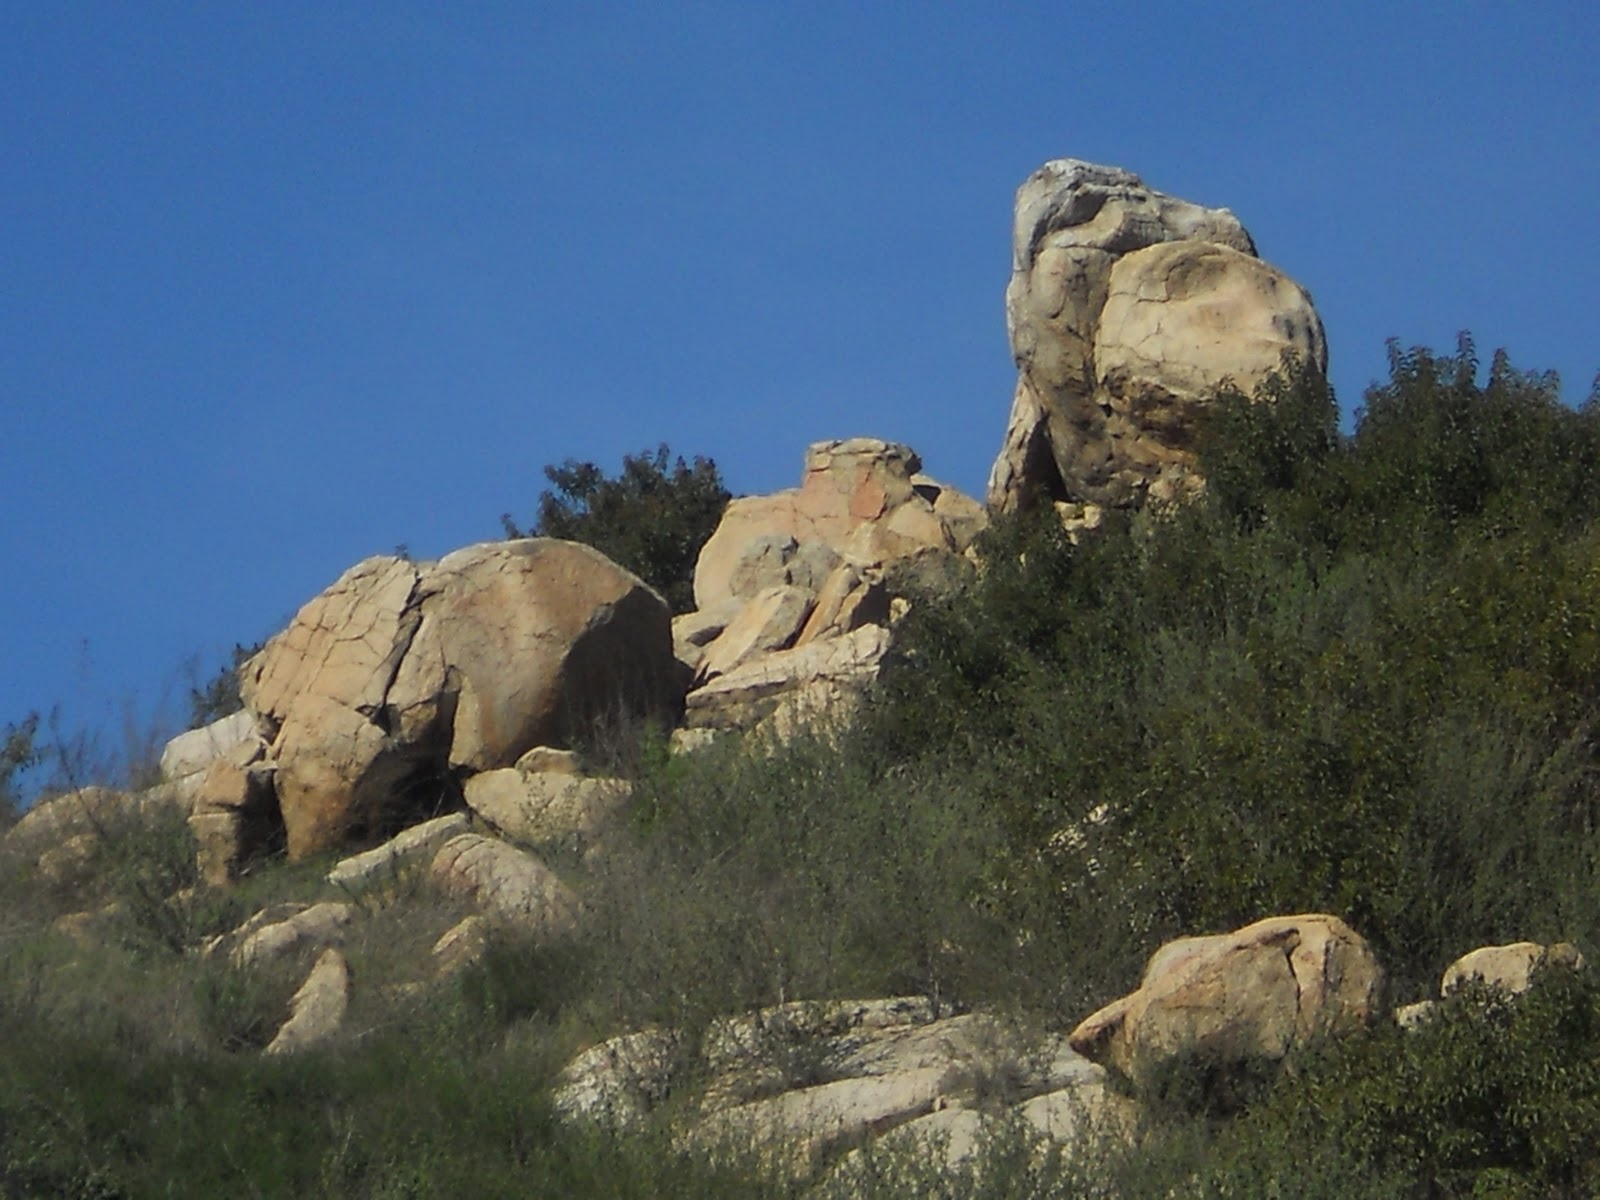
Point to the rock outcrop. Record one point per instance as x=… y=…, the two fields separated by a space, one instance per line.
x=545 y=806
x=1126 y=309
x=1261 y=992
x=795 y=590
x=805 y=1081
x=402 y=673
x=1510 y=968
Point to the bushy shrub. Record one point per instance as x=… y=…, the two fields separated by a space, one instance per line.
x=1492 y=1095
x=219 y=696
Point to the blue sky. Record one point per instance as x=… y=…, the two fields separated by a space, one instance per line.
x=286 y=285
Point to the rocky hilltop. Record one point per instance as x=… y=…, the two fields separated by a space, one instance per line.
x=418 y=730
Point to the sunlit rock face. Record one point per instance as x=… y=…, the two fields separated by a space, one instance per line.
x=1126 y=309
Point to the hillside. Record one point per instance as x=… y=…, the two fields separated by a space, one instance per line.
x=507 y=880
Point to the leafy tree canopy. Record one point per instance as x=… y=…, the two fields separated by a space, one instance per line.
x=652 y=518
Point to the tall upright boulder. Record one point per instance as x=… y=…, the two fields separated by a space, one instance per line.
x=402 y=674
x=1126 y=309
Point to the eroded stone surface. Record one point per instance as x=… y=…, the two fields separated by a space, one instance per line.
x=1260 y=992
x=383 y=863
x=547 y=806
x=318 y=1008
x=505 y=882
x=1510 y=968
x=1126 y=309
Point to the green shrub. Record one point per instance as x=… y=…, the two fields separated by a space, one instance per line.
x=1492 y=1095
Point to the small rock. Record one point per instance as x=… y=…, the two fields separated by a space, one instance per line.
x=318 y=1008
x=384 y=862
x=1510 y=967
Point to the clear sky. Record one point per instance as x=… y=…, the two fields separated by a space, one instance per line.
x=285 y=285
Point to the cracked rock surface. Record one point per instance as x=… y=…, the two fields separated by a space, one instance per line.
x=1263 y=991
x=1126 y=309
x=402 y=673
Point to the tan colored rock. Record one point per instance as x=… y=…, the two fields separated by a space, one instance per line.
x=770 y=621
x=384 y=863
x=60 y=837
x=463 y=944
x=797 y=536
x=825 y=670
x=318 y=1008
x=506 y=883
x=529 y=806
x=1263 y=991
x=850 y=597
x=235 y=817
x=193 y=751
x=1126 y=308
x=403 y=671
x=90 y=810
x=318 y=925
x=692 y=632
x=1510 y=968
x=548 y=760
x=228 y=943
x=1182 y=316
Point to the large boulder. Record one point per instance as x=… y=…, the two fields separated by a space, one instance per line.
x=402 y=673
x=1259 y=993
x=1126 y=309
x=543 y=807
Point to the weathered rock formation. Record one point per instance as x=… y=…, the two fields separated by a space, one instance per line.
x=507 y=883
x=402 y=673
x=795 y=590
x=317 y=1009
x=1261 y=992
x=1126 y=308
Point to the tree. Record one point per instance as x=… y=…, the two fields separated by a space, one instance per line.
x=219 y=696
x=652 y=518
x=18 y=752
